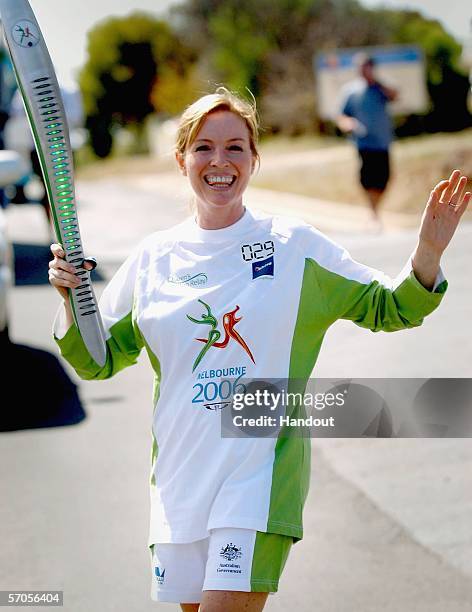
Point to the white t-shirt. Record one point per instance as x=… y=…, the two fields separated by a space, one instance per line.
x=254 y=300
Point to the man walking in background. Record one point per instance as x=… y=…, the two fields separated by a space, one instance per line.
x=364 y=115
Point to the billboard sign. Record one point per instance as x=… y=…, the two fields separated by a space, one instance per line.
x=400 y=66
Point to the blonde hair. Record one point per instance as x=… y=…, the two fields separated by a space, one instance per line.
x=194 y=116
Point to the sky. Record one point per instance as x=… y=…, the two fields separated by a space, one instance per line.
x=65 y=22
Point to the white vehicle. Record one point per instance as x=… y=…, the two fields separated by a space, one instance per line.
x=11 y=169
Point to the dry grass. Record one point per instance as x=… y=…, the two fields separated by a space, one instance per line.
x=327 y=168
x=332 y=174
x=124 y=166
x=282 y=144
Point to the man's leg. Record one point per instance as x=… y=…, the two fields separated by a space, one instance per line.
x=374 y=196
x=374 y=176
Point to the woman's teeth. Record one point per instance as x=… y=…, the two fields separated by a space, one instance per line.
x=220 y=181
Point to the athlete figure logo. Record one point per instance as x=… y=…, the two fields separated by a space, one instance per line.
x=229 y=321
x=25 y=33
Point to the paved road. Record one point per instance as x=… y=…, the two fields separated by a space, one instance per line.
x=387 y=521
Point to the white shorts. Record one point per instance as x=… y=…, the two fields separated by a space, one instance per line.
x=230 y=559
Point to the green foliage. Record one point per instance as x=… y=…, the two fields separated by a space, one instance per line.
x=439 y=47
x=234 y=37
x=237 y=57
x=268 y=46
x=173 y=92
x=448 y=84
x=127 y=58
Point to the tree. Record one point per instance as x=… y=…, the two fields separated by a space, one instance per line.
x=127 y=59
x=268 y=47
x=229 y=38
x=448 y=84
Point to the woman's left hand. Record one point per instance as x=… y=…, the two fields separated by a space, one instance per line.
x=446 y=205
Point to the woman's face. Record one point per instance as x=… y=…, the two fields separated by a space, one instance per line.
x=219 y=162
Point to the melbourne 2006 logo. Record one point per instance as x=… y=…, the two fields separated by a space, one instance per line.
x=214 y=335
x=25 y=33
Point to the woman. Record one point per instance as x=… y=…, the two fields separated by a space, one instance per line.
x=228 y=294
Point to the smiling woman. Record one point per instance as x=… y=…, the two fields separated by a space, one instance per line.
x=225 y=511
x=217 y=149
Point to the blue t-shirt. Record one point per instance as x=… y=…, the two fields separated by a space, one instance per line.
x=367 y=104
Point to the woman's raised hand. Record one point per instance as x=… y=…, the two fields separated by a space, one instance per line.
x=447 y=203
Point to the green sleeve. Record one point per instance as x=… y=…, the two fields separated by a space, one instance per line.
x=118 y=308
x=123 y=348
x=376 y=305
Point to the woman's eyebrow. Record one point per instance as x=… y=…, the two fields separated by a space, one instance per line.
x=209 y=140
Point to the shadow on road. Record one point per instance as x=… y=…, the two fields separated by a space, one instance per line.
x=31 y=265
x=36 y=391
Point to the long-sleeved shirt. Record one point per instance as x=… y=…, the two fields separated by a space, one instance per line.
x=250 y=301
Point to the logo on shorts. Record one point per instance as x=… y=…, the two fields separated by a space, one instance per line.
x=231 y=552
x=159 y=575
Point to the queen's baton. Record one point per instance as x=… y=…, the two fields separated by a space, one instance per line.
x=43 y=102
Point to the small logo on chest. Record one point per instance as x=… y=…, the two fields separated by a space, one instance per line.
x=261 y=257
x=195 y=280
x=263 y=268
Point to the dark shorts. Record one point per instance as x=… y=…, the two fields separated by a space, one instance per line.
x=375 y=169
